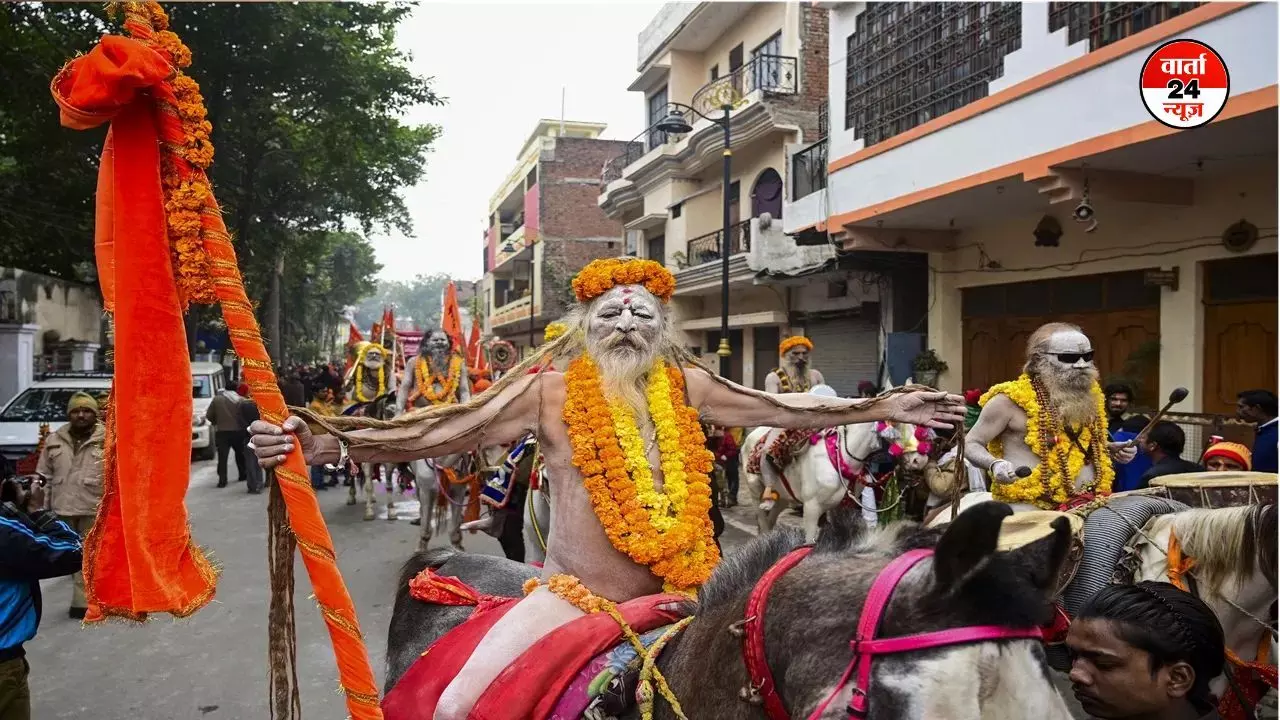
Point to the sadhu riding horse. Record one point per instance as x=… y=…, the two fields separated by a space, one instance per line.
x=371 y=388
x=631 y=537
x=1212 y=534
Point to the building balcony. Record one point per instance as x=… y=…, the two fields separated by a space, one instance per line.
x=512 y=312
x=518 y=239
x=700 y=269
x=993 y=116
x=752 y=91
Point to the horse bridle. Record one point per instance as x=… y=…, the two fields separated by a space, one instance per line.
x=865 y=645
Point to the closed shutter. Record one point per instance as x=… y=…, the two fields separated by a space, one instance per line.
x=846 y=351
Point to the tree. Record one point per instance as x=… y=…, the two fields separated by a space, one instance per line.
x=47 y=173
x=330 y=272
x=306 y=101
x=420 y=298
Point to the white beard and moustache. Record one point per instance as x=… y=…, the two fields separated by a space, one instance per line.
x=437 y=360
x=624 y=368
x=798 y=372
x=1070 y=391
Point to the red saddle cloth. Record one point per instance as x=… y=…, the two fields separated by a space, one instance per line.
x=530 y=687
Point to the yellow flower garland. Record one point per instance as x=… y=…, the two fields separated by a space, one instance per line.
x=425 y=387
x=358 y=390
x=553 y=331
x=669 y=530
x=1058 y=454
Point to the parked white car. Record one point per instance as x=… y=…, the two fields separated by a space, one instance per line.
x=206 y=383
x=46 y=402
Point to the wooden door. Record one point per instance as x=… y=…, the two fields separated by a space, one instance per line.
x=1239 y=352
x=984 y=360
x=1128 y=345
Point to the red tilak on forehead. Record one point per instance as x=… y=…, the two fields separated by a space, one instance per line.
x=626 y=301
x=626 y=291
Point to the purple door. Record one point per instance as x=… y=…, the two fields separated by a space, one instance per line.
x=766 y=196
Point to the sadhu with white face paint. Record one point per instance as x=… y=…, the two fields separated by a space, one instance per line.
x=624 y=451
x=1053 y=420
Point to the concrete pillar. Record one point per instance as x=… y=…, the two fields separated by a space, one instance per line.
x=946 y=327
x=1182 y=338
x=749 y=357
x=17 y=358
x=84 y=356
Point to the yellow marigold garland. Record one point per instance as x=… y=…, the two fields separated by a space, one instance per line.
x=794 y=341
x=1047 y=440
x=424 y=387
x=601 y=276
x=554 y=331
x=358 y=390
x=669 y=531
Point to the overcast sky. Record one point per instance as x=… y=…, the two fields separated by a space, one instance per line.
x=502 y=67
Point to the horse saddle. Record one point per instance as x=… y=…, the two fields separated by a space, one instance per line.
x=496 y=491
x=780 y=447
x=586 y=668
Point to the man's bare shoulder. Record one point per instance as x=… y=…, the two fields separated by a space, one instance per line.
x=1002 y=405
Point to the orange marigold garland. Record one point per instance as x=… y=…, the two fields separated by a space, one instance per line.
x=424 y=385
x=794 y=342
x=600 y=276
x=682 y=556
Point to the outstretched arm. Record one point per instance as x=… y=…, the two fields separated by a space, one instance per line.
x=992 y=422
x=504 y=418
x=732 y=405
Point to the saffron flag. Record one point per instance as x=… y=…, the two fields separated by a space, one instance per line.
x=451 y=320
x=353 y=335
x=473 y=347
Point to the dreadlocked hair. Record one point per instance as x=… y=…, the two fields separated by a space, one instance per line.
x=570 y=345
x=1169 y=625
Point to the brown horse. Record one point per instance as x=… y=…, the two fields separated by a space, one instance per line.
x=812 y=614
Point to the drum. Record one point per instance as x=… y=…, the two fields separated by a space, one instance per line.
x=1023 y=528
x=1220 y=489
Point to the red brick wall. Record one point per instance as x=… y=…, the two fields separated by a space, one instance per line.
x=570 y=189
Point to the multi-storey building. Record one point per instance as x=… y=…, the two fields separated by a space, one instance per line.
x=769 y=62
x=1008 y=146
x=543 y=226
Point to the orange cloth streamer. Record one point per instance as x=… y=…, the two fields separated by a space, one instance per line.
x=172 y=247
x=140 y=557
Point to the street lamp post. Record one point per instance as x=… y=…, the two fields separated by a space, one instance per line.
x=676 y=124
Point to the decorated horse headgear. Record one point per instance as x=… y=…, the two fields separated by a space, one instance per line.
x=919 y=441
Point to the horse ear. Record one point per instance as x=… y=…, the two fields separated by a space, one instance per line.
x=968 y=541
x=1042 y=560
x=843 y=527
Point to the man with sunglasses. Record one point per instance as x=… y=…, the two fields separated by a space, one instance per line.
x=1069 y=454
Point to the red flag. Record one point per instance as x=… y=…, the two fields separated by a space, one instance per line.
x=451 y=321
x=353 y=335
x=388 y=325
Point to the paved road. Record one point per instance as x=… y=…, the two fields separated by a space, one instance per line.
x=213 y=666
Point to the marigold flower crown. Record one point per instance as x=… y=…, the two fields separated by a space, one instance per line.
x=601 y=276
x=792 y=342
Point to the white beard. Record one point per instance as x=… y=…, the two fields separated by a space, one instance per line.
x=623 y=373
x=798 y=377
x=1070 y=394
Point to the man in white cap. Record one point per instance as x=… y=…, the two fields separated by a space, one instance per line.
x=71 y=465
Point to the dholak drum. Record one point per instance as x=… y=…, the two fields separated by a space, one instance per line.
x=1023 y=528
x=1220 y=489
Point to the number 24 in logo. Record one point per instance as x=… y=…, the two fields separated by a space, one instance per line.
x=1184 y=83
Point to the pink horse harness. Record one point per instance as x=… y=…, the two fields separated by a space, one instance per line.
x=865 y=645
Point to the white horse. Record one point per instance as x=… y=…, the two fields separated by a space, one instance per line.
x=830 y=468
x=383 y=409
x=537 y=522
x=432 y=484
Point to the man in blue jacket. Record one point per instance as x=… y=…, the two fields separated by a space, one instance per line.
x=1259 y=408
x=34 y=545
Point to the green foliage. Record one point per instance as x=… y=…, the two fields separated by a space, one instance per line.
x=420 y=298
x=306 y=101
x=47 y=173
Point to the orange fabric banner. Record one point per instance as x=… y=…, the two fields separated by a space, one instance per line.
x=451 y=319
x=475 y=356
x=140 y=557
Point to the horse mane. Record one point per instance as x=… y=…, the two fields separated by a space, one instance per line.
x=739 y=570
x=1224 y=541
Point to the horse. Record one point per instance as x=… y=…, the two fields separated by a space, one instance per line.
x=812 y=612
x=537 y=522
x=381 y=407
x=1233 y=548
x=831 y=467
x=442 y=496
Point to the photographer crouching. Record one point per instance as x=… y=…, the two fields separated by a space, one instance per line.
x=34 y=545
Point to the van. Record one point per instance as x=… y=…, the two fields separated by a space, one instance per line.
x=207 y=380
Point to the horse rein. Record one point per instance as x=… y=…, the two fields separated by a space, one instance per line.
x=865 y=645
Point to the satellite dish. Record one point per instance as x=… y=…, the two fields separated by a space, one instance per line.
x=824 y=391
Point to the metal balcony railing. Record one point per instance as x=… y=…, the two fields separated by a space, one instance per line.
x=909 y=63
x=809 y=170
x=774 y=74
x=706 y=248
x=636 y=149
x=1106 y=22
